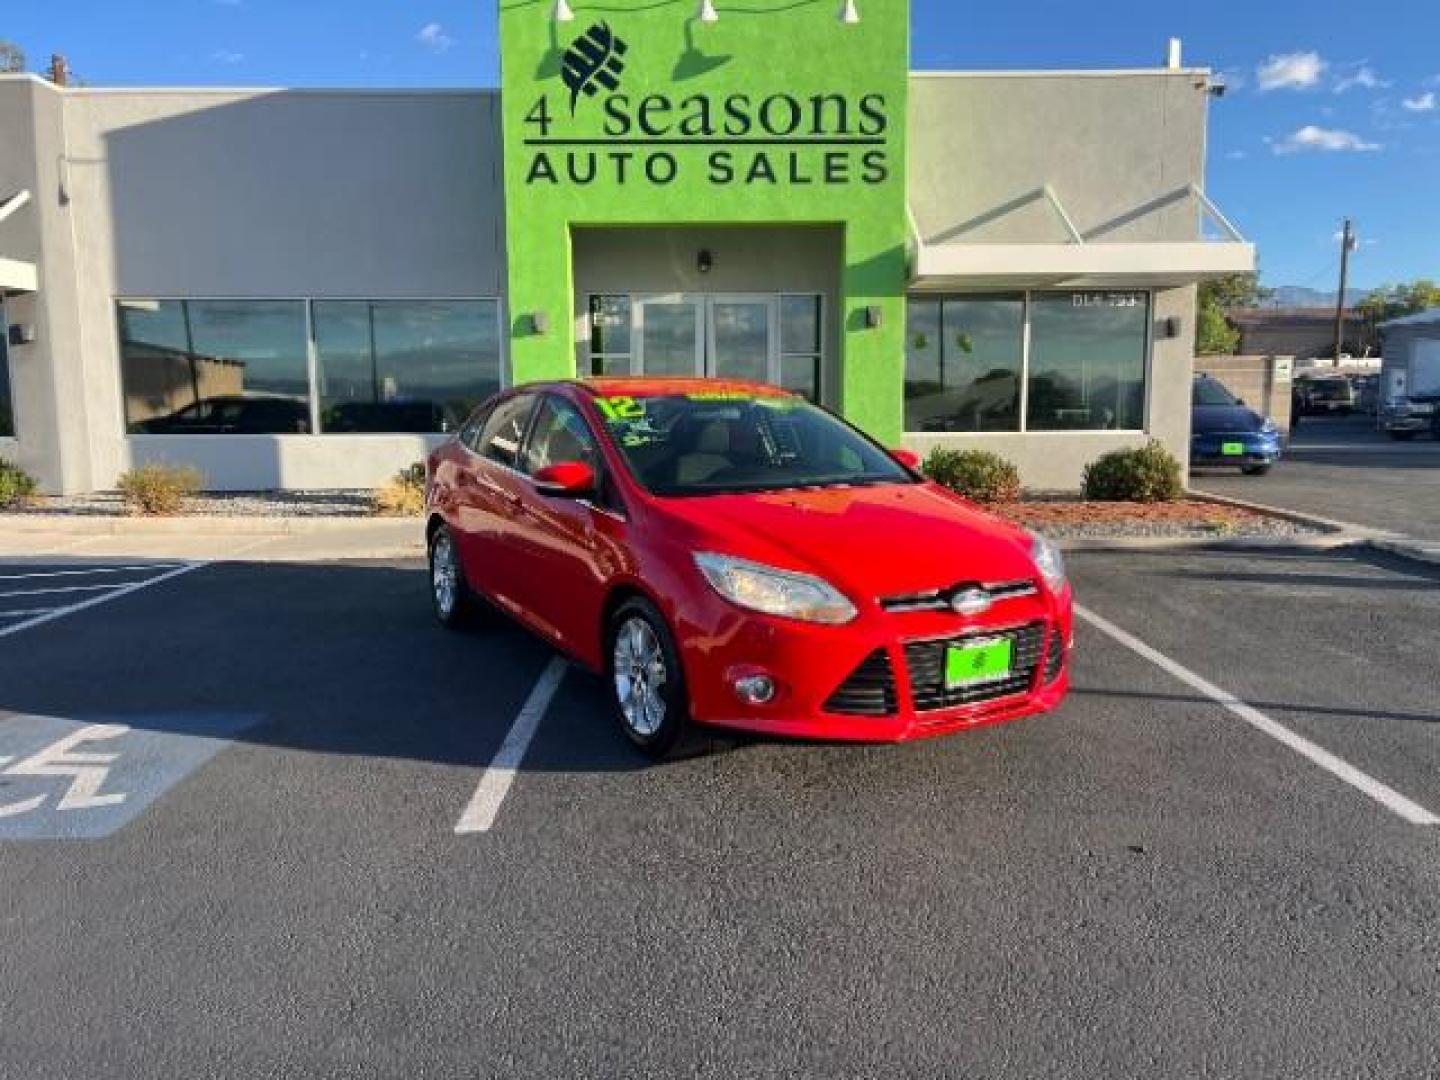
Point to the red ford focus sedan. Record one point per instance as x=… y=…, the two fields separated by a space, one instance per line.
x=729 y=555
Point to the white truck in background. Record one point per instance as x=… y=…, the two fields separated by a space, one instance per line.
x=1415 y=406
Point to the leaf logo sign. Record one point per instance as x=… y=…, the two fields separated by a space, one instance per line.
x=593 y=61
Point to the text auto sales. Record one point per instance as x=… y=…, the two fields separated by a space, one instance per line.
x=781 y=139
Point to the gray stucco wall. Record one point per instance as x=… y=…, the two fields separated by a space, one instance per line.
x=1119 y=150
x=263 y=194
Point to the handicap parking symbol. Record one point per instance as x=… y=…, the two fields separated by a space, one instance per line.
x=64 y=778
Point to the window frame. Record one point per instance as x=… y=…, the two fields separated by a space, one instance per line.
x=312 y=354
x=1026 y=351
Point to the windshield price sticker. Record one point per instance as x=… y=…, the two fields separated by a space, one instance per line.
x=620 y=409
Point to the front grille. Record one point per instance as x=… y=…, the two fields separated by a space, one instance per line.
x=926 y=663
x=1055 y=657
x=869 y=691
x=939 y=599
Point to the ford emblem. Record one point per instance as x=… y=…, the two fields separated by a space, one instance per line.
x=971 y=602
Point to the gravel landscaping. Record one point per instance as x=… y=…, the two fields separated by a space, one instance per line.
x=1066 y=519
x=1061 y=517
x=284 y=504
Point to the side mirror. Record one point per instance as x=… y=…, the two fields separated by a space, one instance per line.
x=908 y=458
x=566 y=480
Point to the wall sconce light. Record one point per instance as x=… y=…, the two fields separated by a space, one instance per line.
x=21 y=334
x=562 y=12
x=874 y=317
x=705 y=261
x=1171 y=327
x=539 y=323
x=849 y=13
x=707 y=12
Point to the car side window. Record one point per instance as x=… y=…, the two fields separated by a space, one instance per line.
x=504 y=432
x=470 y=433
x=560 y=435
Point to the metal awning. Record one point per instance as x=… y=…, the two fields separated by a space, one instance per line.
x=16 y=276
x=1078 y=263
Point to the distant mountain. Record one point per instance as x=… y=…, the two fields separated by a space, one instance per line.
x=1295 y=296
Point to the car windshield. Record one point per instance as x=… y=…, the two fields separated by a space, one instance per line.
x=1210 y=392
x=722 y=442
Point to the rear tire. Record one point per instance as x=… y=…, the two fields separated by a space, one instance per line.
x=647 y=683
x=1254 y=470
x=1402 y=436
x=449 y=595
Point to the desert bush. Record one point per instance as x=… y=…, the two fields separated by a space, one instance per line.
x=1149 y=473
x=975 y=474
x=403 y=495
x=16 y=485
x=157 y=489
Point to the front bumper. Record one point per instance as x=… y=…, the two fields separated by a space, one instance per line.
x=1256 y=448
x=813 y=665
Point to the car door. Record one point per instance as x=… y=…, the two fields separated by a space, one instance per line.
x=573 y=547
x=487 y=496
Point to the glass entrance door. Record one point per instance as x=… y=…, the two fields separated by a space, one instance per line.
x=669 y=338
x=740 y=337
x=764 y=337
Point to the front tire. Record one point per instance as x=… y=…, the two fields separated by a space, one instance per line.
x=1254 y=470
x=449 y=594
x=647 y=683
x=1402 y=436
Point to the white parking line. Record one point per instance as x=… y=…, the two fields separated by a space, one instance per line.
x=104 y=598
x=1385 y=795
x=88 y=571
x=24 y=614
x=479 y=816
x=60 y=589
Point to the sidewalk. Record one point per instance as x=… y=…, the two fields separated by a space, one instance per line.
x=210 y=538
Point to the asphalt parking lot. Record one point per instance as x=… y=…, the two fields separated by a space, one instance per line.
x=1342 y=468
x=235 y=851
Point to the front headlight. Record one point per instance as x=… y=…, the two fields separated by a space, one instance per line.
x=1267 y=427
x=1049 y=561
x=775 y=592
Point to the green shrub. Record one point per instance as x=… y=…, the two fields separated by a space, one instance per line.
x=403 y=495
x=16 y=485
x=1147 y=474
x=159 y=489
x=975 y=474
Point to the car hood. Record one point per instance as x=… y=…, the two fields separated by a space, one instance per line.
x=869 y=541
x=1207 y=418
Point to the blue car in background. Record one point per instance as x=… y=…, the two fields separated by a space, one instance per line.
x=1225 y=432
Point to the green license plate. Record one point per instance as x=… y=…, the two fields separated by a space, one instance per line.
x=978 y=662
x=1233 y=449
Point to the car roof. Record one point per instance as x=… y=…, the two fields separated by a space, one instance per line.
x=638 y=386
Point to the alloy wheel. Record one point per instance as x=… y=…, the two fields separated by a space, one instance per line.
x=444 y=575
x=640 y=676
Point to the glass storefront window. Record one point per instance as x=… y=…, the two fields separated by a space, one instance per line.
x=966 y=358
x=1087 y=361
x=800 y=344
x=404 y=365
x=214 y=367
x=611 y=323
x=963 y=363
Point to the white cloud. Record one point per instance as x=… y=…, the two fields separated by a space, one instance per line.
x=1327 y=140
x=1291 y=71
x=433 y=37
x=1423 y=103
x=225 y=56
x=1362 y=77
x=1236 y=155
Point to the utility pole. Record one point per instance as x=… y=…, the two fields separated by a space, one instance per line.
x=1347 y=245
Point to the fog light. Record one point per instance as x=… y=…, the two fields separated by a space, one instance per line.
x=755 y=689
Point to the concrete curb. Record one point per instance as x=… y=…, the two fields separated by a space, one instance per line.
x=1327 y=525
x=1404 y=548
x=406 y=529
x=1328 y=542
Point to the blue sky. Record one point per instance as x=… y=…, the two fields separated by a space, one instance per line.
x=1334 y=108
